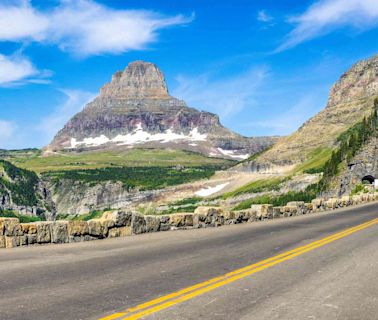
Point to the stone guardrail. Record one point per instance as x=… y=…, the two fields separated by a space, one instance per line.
x=119 y=223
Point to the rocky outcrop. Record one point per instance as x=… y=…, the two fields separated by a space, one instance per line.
x=23 y=192
x=76 y=197
x=351 y=99
x=363 y=165
x=136 y=110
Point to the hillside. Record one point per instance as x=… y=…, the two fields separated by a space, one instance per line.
x=351 y=98
x=359 y=164
x=23 y=192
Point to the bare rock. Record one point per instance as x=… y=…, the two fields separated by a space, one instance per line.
x=138 y=223
x=43 y=232
x=59 y=232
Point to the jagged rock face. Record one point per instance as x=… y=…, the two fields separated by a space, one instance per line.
x=72 y=197
x=351 y=98
x=136 y=110
x=139 y=80
x=361 y=81
x=364 y=163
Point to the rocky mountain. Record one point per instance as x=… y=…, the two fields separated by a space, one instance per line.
x=135 y=110
x=351 y=98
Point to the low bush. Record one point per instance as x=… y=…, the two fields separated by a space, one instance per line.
x=307 y=195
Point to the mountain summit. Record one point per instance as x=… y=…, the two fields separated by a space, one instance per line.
x=140 y=80
x=136 y=110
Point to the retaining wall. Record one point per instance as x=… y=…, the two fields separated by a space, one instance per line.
x=119 y=223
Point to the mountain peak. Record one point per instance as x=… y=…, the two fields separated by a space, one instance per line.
x=140 y=79
x=136 y=110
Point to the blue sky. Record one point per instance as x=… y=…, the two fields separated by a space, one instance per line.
x=264 y=66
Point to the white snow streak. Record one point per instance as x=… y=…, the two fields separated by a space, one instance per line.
x=231 y=153
x=140 y=136
x=210 y=190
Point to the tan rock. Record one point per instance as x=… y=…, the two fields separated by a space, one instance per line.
x=2 y=242
x=119 y=232
x=22 y=240
x=31 y=238
x=78 y=228
x=99 y=228
x=206 y=211
x=332 y=203
x=263 y=211
x=228 y=215
x=181 y=220
x=30 y=228
x=43 y=232
x=11 y=241
x=59 y=232
x=10 y=226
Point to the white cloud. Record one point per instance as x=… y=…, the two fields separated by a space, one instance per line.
x=84 y=27
x=225 y=97
x=262 y=16
x=7 y=130
x=325 y=16
x=74 y=102
x=16 y=69
x=19 y=21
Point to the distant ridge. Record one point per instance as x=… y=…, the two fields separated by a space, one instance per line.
x=351 y=98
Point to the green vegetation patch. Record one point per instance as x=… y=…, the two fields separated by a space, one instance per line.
x=22 y=218
x=126 y=158
x=307 y=195
x=95 y=214
x=22 y=184
x=257 y=187
x=315 y=163
x=143 y=178
x=186 y=201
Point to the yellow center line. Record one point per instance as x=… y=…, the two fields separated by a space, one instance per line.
x=193 y=291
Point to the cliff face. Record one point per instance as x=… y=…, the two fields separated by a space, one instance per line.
x=364 y=164
x=351 y=98
x=136 y=110
x=22 y=191
x=80 y=198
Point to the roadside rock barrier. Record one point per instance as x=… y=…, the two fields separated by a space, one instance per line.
x=126 y=222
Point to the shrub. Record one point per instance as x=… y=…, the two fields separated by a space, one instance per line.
x=307 y=195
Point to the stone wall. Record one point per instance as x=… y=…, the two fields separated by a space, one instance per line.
x=119 y=223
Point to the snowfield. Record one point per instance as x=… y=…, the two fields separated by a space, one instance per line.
x=210 y=190
x=139 y=136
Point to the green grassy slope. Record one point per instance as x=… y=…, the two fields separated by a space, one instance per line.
x=129 y=158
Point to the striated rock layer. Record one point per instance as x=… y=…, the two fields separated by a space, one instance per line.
x=351 y=98
x=136 y=110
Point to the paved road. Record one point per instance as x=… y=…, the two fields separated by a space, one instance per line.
x=338 y=280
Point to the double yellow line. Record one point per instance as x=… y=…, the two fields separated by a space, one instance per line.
x=174 y=298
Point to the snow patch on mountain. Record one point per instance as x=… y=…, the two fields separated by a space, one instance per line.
x=210 y=190
x=231 y=153
x=139 y=136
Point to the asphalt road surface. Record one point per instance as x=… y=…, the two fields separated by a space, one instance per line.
x=320 y=266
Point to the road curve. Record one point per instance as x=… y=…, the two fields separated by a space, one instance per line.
x=333 y=279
